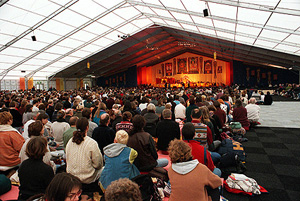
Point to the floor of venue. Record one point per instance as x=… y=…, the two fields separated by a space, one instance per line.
x=273 y=153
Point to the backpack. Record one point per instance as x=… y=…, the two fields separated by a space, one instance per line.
x=229 y=145
x=235 y=125
x=148 y=189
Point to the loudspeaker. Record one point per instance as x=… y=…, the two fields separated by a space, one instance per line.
x=205 y=12
x=33 y=38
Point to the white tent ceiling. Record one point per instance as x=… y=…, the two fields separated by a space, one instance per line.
x=69 y=31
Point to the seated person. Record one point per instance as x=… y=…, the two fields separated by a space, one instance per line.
x=252 y=111
x=125 y=124
x=166 y=130
x=268 y=99
x=33 y=173
x=199 y=152
x=240 y=115
x=83 y=157
x=144 y=144
x=188 y=177
x=118 y=161
x=64 y=186
x=11 y=143
x=123 y=190
x=36 y=129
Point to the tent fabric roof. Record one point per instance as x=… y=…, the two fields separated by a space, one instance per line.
x=114 y=35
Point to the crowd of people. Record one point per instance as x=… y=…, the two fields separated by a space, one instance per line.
x=113 y=133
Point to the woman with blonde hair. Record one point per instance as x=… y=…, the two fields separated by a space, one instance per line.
x=188 y=177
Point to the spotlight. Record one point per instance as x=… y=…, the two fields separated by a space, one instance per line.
x=33 y=38
x=205 y=12
x=290 y=68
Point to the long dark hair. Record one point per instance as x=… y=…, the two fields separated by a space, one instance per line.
x=81 y=125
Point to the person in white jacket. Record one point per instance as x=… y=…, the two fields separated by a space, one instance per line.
x=58 y=128
x=252 y=110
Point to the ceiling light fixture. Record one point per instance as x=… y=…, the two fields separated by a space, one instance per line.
x=205 y=12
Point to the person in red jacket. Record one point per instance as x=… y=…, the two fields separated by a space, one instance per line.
x=11 y=142
x=198 y=151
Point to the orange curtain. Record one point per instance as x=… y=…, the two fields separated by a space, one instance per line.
x=22 y=83
x=30 y=83
x=62 y=84
x=57 y=84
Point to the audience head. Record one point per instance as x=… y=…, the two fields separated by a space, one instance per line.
x=217 y=104
x=36 y=128
x=121 y=137
x=139 y=123
x=127 y=116
x=196 y=113
x=43 y=117
x=58 y=106
x=252 y=101
x=28 y=108
x=61 y=114
x=167 y=114
x=179 y=151
x=188 y=131
x=104 y=119
x=6 y=118
x=238 y=103
x=82 y=126
x=192 y=99
x=73 y=121
x=87 y=113
x=151 y=107
x=123 y=190
x=63 y=187
x=69 y=112
x=36 y=147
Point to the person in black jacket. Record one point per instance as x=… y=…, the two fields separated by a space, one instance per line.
x=268 y=99
x=166 y=130
x=103 y=134
x=33 y=173
x=17 y=117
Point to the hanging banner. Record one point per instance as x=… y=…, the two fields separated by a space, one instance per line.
x=258 y=75
x=253 y=73
x=22 y=83
x=219 y=69
x=215 y=69
x=193 y=65
x=208 y=67
x=181 y=63
x=269 y=78
x=168 y=69
x=174 y=66
x=263 y=75
x=57 y=84
x=201 y=64
x=275 y=77
x=248 y=74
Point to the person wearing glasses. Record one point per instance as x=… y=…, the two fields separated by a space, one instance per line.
x=63 y=187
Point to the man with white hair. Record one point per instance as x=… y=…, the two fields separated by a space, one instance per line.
x=252 y=111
